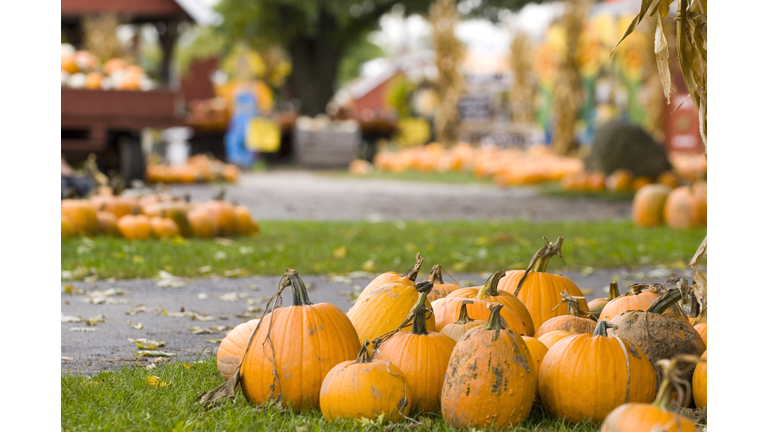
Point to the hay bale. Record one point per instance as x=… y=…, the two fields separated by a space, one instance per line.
x=620 y=145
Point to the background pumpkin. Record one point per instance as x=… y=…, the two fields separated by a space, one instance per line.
x=648 y=205
x=134 y=227
x=596 y=306
x=81 y=216
x=699 y=382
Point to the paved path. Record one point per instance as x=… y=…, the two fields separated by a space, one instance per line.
x=108 y=347
x=306 y=195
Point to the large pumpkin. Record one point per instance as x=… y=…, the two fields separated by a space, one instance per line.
x=305 y=342
x=573 y=321
x=231 y=349
x=406 y=278
x=491 y=378
x=540 y=291
x=383 y=309
x=423 y=357
x=517 y=315
x=699 y=383
x=81 y=215
x=463 y=324
x=606 y=371
x=648 y=205
x=440 y=289
x=365 y=388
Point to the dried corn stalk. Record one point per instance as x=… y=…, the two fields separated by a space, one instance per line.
x=523 y=91
x=100 y=36
x=654 y=91
x=448 y=55
x=568 y=78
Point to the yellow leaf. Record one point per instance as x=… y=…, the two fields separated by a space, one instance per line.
x=368 y=265
x=156 y=381
x=340 y=252
x=138 y=259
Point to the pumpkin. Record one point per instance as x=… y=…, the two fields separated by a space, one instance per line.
x=116 y=204
x=230 y=173
x=360 y=167
x=67 y=227
x=176 y=210
x=233 y=345
x=383 y=309
x=134 y=227
x=81 y=215
x=639 y=182
x=611 y=370
x=107 y=223
x=596 y=306
x=245 y=225
x=305 y=342
x=491 y=378
x=648 y=205
x=201 y=223
x=407 y=278
x=423 y=357
x=440 y=289
x=553 y=337
x=163 y=227
x=643 y=417
x=668 y=178
x=572 y=322
x=699 y=204
x=93 y=80
x=514 y=312
x=702 y=330
x=463 y=324
x=365 y=388
x=699 y=382
x=540 y=291
x=619 y=180
x=114 y=65
x=538 y=350
x=639 y=297
x=660 y=336
x=677 y=208
x=596 y=181
x=223 y=215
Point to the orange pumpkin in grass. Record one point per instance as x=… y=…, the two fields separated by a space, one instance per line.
x=163 y=227
x=619 y=180
x=107 y=223
x=67 y=227
x=440 y=289
x=116 y=204
x=176 y=210
x=540 y=291
x=307 y=341
x=222 y=214
x=677 y=208
x=596 y=181
x=81 y=215
x=232 y=347
x=134 y=227
x=699 y=204
x=648 y=205
x=201 y=223
x=572 y=322
x=245 y=224
x=514 y=311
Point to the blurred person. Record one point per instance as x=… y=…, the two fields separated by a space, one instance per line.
x=245 y=107
x=71 y=185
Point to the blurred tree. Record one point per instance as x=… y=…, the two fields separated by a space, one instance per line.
x=361 y=51
x=318 y=33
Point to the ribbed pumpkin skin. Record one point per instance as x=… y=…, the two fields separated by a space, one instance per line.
x=700 y=383
x=637 y=417
x=448 y=309
x=456 y=331
x=384 y=308
x=551 y=338
x=569 y=323
x=624 y=303
x=365 y=390
x=538 y=350
x=489 y=383
x=701 y=329
x=442 y=290
x=508 y=300
x=308 y=342
x=596 y=366
x=540 y=293
x=648 y=205
x=231 y=349
x=424 y=361
x=385 y=279
x=678 y=208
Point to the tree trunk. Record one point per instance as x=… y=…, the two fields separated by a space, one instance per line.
x=315 y=64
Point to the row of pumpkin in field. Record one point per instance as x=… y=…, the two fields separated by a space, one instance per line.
x=479 y=356
x=197 y=169
x=682 y=207
x=156 y=215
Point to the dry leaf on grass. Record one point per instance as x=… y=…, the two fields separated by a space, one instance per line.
x=73 y=290
x=156 y=381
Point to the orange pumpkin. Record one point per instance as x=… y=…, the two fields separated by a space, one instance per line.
x=491 y=379
x=134 y=227
x=700 y=383
x=176 y=210
x=596 y=306
x=232 y=347
x=572 y=322
x=639 y=297
x=702 y=330
x=93 y=81
x=81 y=215
x=648 y=205
x=163 y=227
x=619 y=181
x=440 y=289
x=639 y=182
x=245 y=224
x=677 y=208
x=668 y=178
x=67 y=227
x=230 y=172
x=540 y=291
x=407 y=278
x=305 y=342
x=360 y=167
x=699 y=204
x=107 y=223
x=549 y=339
x=538 y=350
x=462 y=325
x=596 y=181
x=201 y=223
x=114 y=65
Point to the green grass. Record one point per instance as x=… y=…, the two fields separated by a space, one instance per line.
x=313 y=247
x=122 y=400
x=554 y=189
x=438 y=177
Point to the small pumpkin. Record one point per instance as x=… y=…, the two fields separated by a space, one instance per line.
x=201 y=223
x=246 y=226
x=423 y=357
x=306 y=341
x=538 y=350
x=648 y=205
x=175 y=209
x=134 y=226
x=440 y=289
x=463 y=324
x=365 y=388
x=677 y=208
x=668 y=178
x=639 y=297
x=232 y=347
x=549 y=339
x=596 y=306
x=163 y=227
x=702 y=330
x=612 y=370
x=407 y=278
x=107 y=223
x=491 y=378
x=223 y=215
x=540 y=291
x=619 y=180
x=572 y=322
x=230 y=173
x=699 y=382
x=639 y=182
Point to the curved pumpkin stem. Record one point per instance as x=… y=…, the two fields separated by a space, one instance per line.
x=695 y=307
x=463 y=314
x=364 y=356
x=413 y=272
x=420 y=309
x=667 y=300
x=613 y=291
x=601 y=329
x=135 y=210
x=541 y=259
x=494 y=320
x=436 y=275
x=300 y=297
x=573 y=305
x=491 y=285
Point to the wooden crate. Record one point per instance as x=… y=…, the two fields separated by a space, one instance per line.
x=325 y=148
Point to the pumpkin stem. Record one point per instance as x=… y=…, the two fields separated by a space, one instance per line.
x=491 y=285
x=364 y=356
x=463 y=314
x=414 y=271
x=672 y=378
x=494 y=320
x=601 y=329
x=135 y=210
x=667 y=300
x=574 y=308
x=300 y=297
x=420 y=310
x=695 y=307
x=436 y=275
x=613 y=291
x=541 y=259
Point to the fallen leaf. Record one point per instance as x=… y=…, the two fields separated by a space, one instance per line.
x=71 y=319
x=137 y=326
x=156 y=381
x=246 y=250
x=171 y=283
x=255 y=309
x=238 y=272
x=187 y=365
x=214 y=341
x=223 y=241
x=157 y=310
x=368 y=265
x=73 y=290
x=200 y=330
x=146 y=344
x=92 y=321
x=340 y=252
x=253 y=287
x=202 y=296
x=154 y=353
x=220 y=256
x=138 y=259
x=221 y=328
x=63 y=358
x=82 y=329
x=233 y=297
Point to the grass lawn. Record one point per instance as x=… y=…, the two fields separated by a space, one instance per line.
x=123 y=400
x=313 y=247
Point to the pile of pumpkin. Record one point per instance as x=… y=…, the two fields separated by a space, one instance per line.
x=83 y=70
x=621 y=180
x=199 y=168
x=681 y=207
x=480 y=356
x=157 y=215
